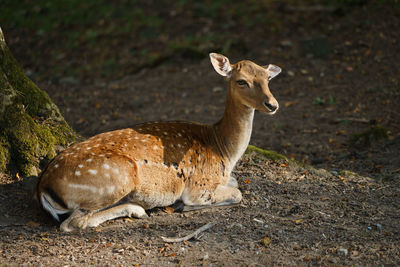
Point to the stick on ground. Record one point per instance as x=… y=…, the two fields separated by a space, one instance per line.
x=187 y=237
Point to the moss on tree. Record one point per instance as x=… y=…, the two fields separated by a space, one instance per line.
x=31 y=126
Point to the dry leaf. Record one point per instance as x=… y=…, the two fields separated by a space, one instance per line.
x=341 y=132
x=169 y=210
x=247 y=181
x=289 y=103
x=298 y=221
x=146 y=226
x=171 y=255
x=266 y=241
x=128 y=220
x=32 y=223
x=284 y=165
x=108 y=245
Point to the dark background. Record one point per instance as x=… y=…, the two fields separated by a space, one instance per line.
x=110 y=64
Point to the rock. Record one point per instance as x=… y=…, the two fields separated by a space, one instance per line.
x=343 y=251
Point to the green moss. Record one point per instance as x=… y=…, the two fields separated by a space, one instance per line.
x=32 y=141
x=294 y=164
x=4 y=155
x=269 y=154
x=347 y=173
x=31 y=125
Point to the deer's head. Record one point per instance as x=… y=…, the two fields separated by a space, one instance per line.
x=248 y=82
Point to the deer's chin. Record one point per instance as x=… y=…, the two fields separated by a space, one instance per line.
x=266 y=111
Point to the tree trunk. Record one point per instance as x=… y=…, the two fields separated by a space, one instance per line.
x=31 y=126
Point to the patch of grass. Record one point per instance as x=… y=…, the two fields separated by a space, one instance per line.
x=373 y=134
x=388 y=90
x=321 y=101
x=347 y=173
x=268 y=154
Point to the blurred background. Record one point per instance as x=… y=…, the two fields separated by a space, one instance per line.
x=111 y=64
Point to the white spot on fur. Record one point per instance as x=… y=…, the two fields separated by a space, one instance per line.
x=116 y=171
x=179 y=145
x=102 y=155
x=80 y=166
x=94 y=172
x=107 y=175
x=106 y=166
x=56 y=166
x=110 y=189
x=101 y=191
x=84 y=187
x=77 y=173
x=61 y=157
x=89 y=160
x=179 y=134
x=155 y=147
x=89 y=148
x=165 y=133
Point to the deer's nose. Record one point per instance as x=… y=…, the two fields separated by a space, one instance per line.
x=270 y=106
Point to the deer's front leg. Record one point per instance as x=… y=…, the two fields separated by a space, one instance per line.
x=219 y=196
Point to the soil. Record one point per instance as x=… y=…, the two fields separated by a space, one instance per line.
x=339 y=112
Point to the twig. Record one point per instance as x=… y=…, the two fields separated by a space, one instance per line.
x=185 y=238
x=317 y=8
x=361 y=120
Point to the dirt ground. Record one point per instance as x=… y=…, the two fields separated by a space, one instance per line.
x=339 y=112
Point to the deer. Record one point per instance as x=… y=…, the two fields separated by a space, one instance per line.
x=123 y=173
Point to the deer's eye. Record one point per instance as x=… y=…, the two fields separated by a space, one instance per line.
x=242 y=83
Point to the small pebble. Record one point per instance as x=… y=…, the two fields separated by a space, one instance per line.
x=343 y=251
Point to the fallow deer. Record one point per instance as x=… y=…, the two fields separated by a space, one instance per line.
x=125 y=172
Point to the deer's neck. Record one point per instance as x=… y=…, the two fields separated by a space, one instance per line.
x=233 y=131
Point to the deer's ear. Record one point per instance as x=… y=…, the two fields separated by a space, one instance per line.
x=272 y=70
x=221 y=64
